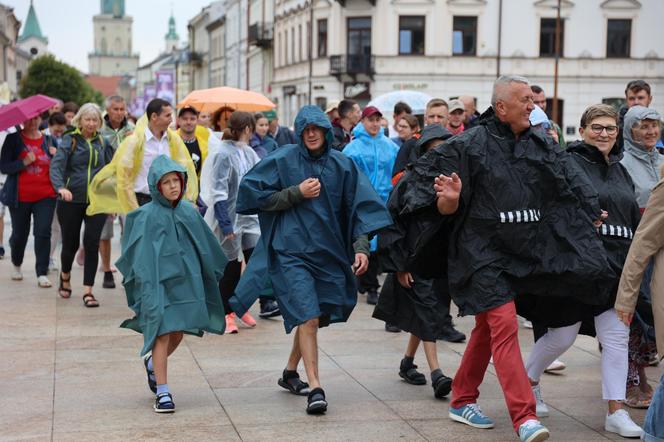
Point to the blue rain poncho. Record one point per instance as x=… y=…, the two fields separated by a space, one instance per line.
x=306 y=251
x=172 y=264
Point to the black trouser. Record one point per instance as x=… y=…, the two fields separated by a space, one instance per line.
x=231 y=277
x=71 y=217
x=441 y=285
x=368 y=281
x=42 y=213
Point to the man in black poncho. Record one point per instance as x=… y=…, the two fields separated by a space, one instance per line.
x=518 y=218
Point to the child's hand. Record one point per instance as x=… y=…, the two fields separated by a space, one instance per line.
x=310 y=188
x=230 y=236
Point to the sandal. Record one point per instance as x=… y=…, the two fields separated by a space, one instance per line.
x=442 y=385
x=290 y=380
x=635 y=398
x=409 y=373
x=62 y=291
x=90 y=301
x=316 y=403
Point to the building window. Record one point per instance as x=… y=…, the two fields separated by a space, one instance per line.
x=322 y=38
x=548 y=37
x=359 y=36
x=618 y=38
x=292 y=34
x=411 y=35
x=278 y=55
x=300 y=42
x=464 y=35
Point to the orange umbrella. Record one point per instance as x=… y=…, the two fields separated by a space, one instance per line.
x=209 y=100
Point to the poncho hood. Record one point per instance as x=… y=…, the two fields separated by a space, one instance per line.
x=307 y=116
x=160 y=167
x=634 y=115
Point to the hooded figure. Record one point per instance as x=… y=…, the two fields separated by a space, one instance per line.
x=535 y=235
x=642 y=164
x=307 y=244
x=171 y=263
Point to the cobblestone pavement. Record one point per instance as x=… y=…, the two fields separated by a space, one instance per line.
x=69 y=373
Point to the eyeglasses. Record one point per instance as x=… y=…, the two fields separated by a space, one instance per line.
x=598 y=128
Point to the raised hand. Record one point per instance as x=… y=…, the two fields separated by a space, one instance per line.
x=448 y=191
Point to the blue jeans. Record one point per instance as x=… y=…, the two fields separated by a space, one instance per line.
x=653 y=427
x=42 y=213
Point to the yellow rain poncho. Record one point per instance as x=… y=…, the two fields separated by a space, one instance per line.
x=112 y=189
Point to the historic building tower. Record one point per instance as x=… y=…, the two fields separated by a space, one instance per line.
x=112 y=41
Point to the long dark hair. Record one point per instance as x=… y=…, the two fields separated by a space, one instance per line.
x=238 y=121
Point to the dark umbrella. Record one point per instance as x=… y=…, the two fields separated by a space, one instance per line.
x=22 y=110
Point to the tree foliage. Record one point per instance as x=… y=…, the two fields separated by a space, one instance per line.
x=51 y=77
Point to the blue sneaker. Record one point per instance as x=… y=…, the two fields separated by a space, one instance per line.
x=471 y=414
x=533 y=431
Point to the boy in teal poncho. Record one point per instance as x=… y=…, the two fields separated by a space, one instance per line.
x=172 y=265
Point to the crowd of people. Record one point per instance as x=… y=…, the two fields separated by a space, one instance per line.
x=492 y=210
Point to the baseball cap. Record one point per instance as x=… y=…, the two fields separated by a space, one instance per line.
x=270 y=114
x=332 y=105
x=369 y=111
x=456 y=105
x=187 y=108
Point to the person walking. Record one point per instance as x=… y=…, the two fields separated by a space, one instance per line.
x=260 y=141
x=564 y=318
x=81 y=155
x=406 y=128
x=316 y=209
x=171 y=265
x=27 y=192
x=220 y=181
x=374 y=154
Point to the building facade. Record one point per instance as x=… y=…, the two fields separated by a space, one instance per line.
x=260 y=41
x=112 y=41
x=32 y=40
x=360 y=49
x=13 y=60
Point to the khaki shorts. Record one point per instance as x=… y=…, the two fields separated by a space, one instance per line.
x=107 y=231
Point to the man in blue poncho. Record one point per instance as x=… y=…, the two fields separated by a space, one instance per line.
x=315 y=209
x=375 y=155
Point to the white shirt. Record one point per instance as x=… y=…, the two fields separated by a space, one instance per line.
x=151 y=150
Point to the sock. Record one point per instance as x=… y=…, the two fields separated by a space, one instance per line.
x=435 y=375
x=162 y=388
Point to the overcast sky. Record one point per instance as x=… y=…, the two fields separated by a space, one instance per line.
x=68 y=25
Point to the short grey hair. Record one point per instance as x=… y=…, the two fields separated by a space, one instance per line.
x=113 y=99
x=501 y=82
x=88 y=109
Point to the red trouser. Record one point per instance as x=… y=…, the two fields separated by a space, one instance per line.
x=496 y=333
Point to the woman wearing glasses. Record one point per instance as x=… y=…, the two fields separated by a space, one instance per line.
x=599 y=156
x=641 y=131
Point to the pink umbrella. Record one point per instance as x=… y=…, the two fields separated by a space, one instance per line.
x=22 y=110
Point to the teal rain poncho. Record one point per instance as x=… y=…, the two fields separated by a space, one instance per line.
x=306 y=251
x=172 y=264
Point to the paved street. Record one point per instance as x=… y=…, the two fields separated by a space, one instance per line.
x=69 y=373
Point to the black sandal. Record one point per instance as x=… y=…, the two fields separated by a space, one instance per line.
x=316 y=403
x=90 y=301
x=290 y=380
x=408 y=372
x=62 y=288
x=442 y=385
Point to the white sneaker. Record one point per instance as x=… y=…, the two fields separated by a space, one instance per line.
x=541 y=409
x=620 y=423
x=555 y=366
x=44 y=282
x=17 y=275
x=527 y=324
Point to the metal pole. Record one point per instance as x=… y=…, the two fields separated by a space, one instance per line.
x=554 y=110
x=500 y=34
x=311 y=48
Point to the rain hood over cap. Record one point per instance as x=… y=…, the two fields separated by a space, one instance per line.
x=306 y=251
x=635 y=115
x=172 y=264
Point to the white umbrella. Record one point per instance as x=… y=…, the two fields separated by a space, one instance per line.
x=416 y=100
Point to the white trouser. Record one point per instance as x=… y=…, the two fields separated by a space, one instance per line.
x=611 y=333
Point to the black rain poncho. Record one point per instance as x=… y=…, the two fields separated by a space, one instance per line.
x=524 y=223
